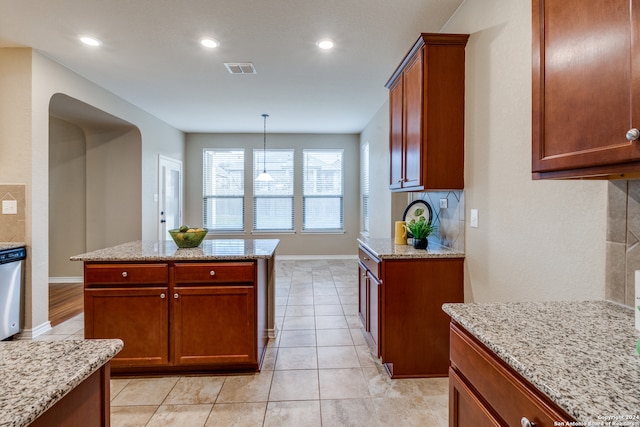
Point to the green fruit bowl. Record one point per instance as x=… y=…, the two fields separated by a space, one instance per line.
x=188 y=239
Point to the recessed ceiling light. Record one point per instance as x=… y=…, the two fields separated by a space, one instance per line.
x=210 y=43
x=90 y=41
x=325 y=44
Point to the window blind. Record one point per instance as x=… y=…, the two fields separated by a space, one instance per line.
x=365 y=187
x=273 y=200
x=223 y=189
x=322 y=190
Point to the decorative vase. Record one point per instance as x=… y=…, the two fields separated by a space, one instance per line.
x=420 y=243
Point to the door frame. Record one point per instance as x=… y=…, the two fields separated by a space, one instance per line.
x=164 y=161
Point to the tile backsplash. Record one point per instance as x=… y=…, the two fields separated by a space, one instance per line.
x=623 y=240
x=450 y=221
x=12 y=226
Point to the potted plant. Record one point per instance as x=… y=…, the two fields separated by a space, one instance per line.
x=420 y=230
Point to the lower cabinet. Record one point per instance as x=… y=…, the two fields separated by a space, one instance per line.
x=205 y=317
x=400 y=305
x=485 y=391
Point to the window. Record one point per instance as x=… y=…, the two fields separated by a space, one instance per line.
x=223 y=189
x=365 y=187
x=322 y=190
x=273 y=200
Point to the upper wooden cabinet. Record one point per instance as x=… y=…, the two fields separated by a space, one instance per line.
x=426 y=104
x=584 y=89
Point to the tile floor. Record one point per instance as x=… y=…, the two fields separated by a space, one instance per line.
x=318 y=372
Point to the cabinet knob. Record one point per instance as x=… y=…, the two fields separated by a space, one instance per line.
x=162 y=296
x=124 y=274
x=526 y=423
x=633 y=134
x=212 y=273
x=176 y=295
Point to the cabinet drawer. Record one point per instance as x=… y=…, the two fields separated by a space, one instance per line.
x=372 y=263
x=503 y=390
x=215 y=272
x=109 y=274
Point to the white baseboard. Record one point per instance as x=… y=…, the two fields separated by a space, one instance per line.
x=313 y=257
x=272 y=333
x=29 y=334
x=71 y=279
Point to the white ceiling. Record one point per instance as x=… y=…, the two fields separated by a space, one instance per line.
x=152 y=58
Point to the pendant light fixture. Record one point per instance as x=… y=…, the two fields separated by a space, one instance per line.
x=264 y=176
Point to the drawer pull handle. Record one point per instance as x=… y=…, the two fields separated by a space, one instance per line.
x=162 y=296
x=212 y=273
x=526 y=423
x=176 y=295
x=124 y=274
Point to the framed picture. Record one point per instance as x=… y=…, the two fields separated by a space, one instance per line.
x=416 y=210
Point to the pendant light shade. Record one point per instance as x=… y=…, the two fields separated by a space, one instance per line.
x=264 y=176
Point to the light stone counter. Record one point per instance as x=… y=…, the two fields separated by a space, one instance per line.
x=35 y=375
x=386 y=248
x=166 y=250
x=582 y=355
x=11 y=245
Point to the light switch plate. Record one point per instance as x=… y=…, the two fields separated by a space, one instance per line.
x=444 y=203
x=9 y=207
x=474 y=218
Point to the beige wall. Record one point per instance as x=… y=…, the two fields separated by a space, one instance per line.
x=290 y=244
x=537 y=240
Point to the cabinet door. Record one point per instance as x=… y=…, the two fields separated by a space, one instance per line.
x=396 y=147
x=138 y=316
x=413 y=116
x=214 y=325
x=583 y=84
x=465 y=408
x=363 y=301
x=374 y=311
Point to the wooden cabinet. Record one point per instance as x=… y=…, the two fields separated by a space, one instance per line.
x=179 y=315
x=426 y=105
x=485 y=391
x=585 y=90
x=402 y=314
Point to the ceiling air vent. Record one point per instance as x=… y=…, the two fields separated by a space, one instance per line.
x=240 y=67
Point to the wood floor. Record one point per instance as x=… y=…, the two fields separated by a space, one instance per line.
x=65 y=301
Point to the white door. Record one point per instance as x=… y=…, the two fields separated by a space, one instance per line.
x=170 y=195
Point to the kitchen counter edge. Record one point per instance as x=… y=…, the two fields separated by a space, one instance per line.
x=387 y=249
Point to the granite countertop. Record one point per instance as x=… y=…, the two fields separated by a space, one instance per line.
x=34 y=375
x=166 y=250
x=582 y=355
x=11 y=245
x=387 y=249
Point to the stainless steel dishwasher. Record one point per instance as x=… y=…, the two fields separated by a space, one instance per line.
x=11 y=288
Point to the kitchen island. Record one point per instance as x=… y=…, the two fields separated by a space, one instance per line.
x=401 y=292
x=53 y=383
x=203 y=309
x=551 y=363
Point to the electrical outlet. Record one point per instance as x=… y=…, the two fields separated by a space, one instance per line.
x=9 y=207
x=444 y=203
x=473 y=218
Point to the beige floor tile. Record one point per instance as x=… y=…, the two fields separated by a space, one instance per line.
x=326 y=300
x=348 y=299
x=298 y=338
x=338 y=357
x=353 y=320
x=269 y=360
x=350 y=291
x=348 y=413
x=294 y=385
x=298 y=322
x=297 y=358
x=366 y=356
x=293 y=414
x=342 y=384
x=301 y=291
x=301 y=300
x=333 y=337
x=329 y=310
x=405 y=412
x=357 y=335
x=195 y=390
x=299 y=310
x=439 y=405
x=145 y=391
x=116 y=386
x=131 y=416
x=325 y=291
x=180 y=415
x=350 y=309
x=246 y=388
x=237 y=415
x=331 y=322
